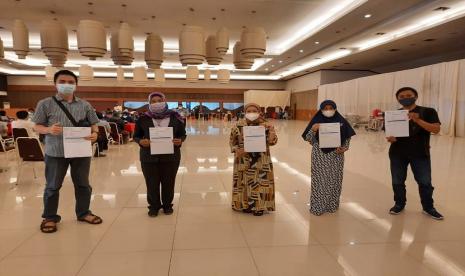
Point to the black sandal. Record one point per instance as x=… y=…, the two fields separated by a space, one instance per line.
x=258 y=213
x=48 y=229
x=95 y=220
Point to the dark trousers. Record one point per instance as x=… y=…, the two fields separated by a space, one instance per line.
x=421 y=168
x=102 y=143
x=55 y=172
x=160 y=175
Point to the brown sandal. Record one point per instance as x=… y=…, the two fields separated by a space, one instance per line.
x=95 y=220
x=48 y=229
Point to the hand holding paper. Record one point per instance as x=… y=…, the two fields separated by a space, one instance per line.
x=254 y=139
x=329 y=135
x=397 y=123
x=161 y=140
x=74 y=142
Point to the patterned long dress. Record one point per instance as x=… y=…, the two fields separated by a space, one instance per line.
x=253 y=179
x=327 y=173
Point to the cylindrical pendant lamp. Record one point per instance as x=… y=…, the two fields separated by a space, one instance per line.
x=86 y=73
x=92 y=39
x=153 y=51
x=192 y=74
x=207 y=75
x=253 y=42
x=192 y=45
x=223 y=76
x=213 y=57
x=20 y=39
x=222 y=41
x=241 y=62
x=139 y=76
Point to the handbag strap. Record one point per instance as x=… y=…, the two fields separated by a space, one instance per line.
x=66 y=111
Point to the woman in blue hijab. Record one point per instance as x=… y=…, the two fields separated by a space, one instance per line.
x=327 y=163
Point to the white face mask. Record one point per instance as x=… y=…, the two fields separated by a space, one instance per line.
x=252 y=116
x=65 y=88
x=329 y=113
x=157 y=107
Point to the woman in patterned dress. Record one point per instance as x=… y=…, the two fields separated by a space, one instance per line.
x=253 y=180
x=327 y=163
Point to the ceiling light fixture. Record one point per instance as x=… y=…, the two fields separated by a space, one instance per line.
x=327 y=58
x=317 y=24
x=422 y=24
x=367 y=15
x=301 y=51
x=317 y=42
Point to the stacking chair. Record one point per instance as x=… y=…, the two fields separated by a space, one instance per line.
x=29 y=150
x=19 y=132
x=117 y=137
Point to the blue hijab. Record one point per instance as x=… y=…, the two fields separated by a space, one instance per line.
x=346 y=129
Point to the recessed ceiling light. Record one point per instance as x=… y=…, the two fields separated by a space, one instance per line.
x=272 y=65
x=301 y=51
x=280 y=61
x=317 y=42
x=367 y=15
x=266 y=69
x=441 y=9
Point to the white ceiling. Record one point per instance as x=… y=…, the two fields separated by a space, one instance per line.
x=292 y=27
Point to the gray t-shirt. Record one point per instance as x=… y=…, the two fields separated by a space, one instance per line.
x=48 y=113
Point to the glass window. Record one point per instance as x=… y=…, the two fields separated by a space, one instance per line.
x=172 y=105
x=194 y=105
x=134 y=105
x=211 y=106
x=232 y=106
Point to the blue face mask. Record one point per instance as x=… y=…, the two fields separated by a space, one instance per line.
x=407 y=101
x=65 y=88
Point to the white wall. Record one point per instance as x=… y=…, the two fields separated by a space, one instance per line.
x=333 y=76
x=304 y=83
x=178 y=83
x=313 y=80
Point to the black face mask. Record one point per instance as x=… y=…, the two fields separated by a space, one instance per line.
x=407 y=101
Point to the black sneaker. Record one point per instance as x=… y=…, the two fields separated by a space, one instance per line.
x=396 y=210
x=168 y=211
x=153 y=213
x=433 y=213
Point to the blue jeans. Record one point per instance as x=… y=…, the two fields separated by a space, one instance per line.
x=55 y=172
x=421 y=168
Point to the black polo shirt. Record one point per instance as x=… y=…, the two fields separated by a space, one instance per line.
x=418 y=143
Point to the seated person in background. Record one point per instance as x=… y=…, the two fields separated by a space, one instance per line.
x=102 y=140
x=3 y=117
x=30 y=111
x=102 y=122
x=116 y=118
x=24 y=122
x=126 y=117
x=3 y=124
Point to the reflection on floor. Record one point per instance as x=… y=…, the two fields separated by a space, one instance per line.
x=204 y=237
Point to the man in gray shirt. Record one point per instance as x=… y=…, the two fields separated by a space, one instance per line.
x=50 y=119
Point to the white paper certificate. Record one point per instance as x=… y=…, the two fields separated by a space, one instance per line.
x=330 y=135
x=396 y=123
x=74 y=143
x=254 y=139
x=161 y=140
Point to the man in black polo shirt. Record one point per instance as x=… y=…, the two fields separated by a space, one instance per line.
x=414 y=151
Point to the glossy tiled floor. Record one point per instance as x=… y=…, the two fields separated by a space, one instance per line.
x=204 y=237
